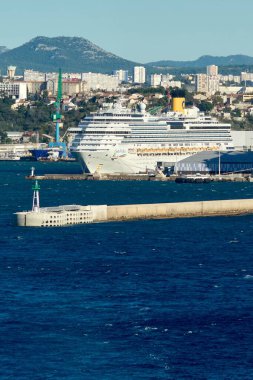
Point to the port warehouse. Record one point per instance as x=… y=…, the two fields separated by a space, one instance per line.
x=208 y=162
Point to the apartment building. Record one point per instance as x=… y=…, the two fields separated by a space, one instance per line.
x=139 y=74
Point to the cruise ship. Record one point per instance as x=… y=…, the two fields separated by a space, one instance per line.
x=119 y=140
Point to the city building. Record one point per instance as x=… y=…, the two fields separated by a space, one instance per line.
x=201 y=83
x=230 y=78
x=34 y=76
x=17 y=90
x=97 y=81
x=70 y=87
x=164 y=80
x=139 y=74
x=171 y=83
x=15 y=136
x=212 y=70
x=11 y=72
x=155 y=80
x=207 y=83
x=167 y=80
x=235 y=90
x=122 y=75
x=34 y=87
x=213 y=83
x=71 y=76
x=245 y=76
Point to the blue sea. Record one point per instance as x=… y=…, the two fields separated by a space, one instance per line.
x=154 y=299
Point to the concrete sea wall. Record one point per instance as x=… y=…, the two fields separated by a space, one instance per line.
x=64 y=215
x=177 y=210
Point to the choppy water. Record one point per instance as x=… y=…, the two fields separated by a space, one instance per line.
x=161 y=299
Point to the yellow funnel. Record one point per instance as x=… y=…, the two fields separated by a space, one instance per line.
x=178 y=105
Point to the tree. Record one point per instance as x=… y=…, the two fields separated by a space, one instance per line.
x=4 y=138
x=178 y=93
x=217 y=100
x=189 y=100
x=205 y=106
x=236 y=113
x=147 y=90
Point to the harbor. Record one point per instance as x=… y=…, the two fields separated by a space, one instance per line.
x=67 y=215
x=207 y=254
x=126 y=190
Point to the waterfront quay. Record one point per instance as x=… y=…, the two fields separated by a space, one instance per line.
x=145 y=177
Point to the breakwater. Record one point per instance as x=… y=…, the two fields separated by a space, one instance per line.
x=74 y=214
x=182 y=209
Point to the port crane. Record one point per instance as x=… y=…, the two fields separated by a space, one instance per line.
x=57 y=119
x=48 y=136
x=155 y=110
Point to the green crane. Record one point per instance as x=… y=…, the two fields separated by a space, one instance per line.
x=57 y=117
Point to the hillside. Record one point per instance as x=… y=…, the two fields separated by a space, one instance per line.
x=3 y=49
x=72 y=54
x=76 y=54
x=231 y=60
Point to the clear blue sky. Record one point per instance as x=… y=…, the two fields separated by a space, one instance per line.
x=139 y=30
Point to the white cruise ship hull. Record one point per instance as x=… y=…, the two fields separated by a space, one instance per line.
x=102 y=162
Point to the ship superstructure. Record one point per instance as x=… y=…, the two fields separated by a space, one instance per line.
x=119 y=140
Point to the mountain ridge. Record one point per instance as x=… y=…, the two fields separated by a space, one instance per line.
x=77 y=54
x=74 y=54
x=205 y=60
x=3 y=49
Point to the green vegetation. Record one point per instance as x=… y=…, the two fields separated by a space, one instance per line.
x=205 y=106
x=189 y=101
x=236 y=113
x=158 y=103
x=4 y=138
x=146 y=90
x=217 y=100
x=37 y=116
x=242 y=125
x=32 y=118
x=177 y=93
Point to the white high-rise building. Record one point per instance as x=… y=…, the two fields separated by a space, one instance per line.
x=139 y=74
x=201 y=83
x=213 y=84
x=155 y=79
x=207 y=83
